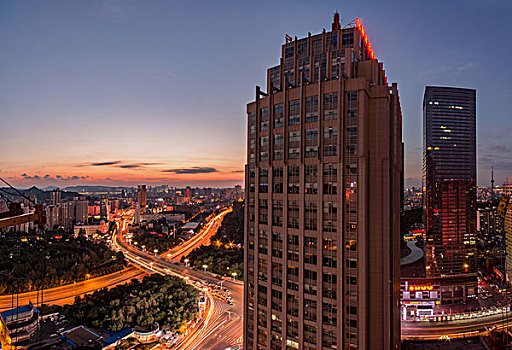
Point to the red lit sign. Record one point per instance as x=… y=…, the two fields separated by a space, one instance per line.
x=418 y=231
x=366 y=42
x=420 y=288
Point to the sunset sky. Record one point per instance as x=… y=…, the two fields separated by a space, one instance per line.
x=128 y=92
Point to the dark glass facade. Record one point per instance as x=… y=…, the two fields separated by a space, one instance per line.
x=449 y=175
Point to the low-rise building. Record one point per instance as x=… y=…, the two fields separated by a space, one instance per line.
x=19 y=324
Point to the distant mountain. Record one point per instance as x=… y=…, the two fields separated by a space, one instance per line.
x=41 y=195
x=94 y=188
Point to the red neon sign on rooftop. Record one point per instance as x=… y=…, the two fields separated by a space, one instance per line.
x=364 y=37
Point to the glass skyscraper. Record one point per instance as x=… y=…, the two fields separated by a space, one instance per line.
x=449 y=175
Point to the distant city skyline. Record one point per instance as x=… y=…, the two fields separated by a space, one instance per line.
x=127 y=92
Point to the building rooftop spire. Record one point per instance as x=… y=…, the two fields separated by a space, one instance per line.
x=336 y=21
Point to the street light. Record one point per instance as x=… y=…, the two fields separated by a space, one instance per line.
x=205 y=267
x=234 y=274
x=87 y=276
x=156 y=251
x=186 y=262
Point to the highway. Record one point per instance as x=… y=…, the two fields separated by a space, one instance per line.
x=223 y=325
x=454 y=328
x=202 y=238
x=66 y=294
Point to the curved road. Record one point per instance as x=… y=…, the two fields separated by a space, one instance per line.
x=224 y=326
x=415 y=255
x=66 y=294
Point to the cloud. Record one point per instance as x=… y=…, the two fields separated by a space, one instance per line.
x=27 y=177
x=466 y=66
x=500 y=148
x=121 y=164
x=136 y=165
x=238 y=171
x=56 y=178
x=105 y=163
x=116 y=8
x=443 y=71
x=193 y=170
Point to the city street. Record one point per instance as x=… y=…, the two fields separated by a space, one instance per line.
x=454 y=328
x=224 y=322
x=67 y=293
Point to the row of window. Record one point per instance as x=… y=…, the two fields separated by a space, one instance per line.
x=311 y=106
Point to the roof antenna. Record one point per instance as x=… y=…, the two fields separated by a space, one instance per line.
x=492 y=179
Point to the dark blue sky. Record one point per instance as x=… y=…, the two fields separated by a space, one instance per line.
x=164 y=84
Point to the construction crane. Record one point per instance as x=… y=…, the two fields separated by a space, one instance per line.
x=14 y=216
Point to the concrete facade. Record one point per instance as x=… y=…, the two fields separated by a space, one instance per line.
x=323 y=187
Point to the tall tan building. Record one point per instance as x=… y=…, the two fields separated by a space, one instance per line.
x=323 y=185
x=142 y=193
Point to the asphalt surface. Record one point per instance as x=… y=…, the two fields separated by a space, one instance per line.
x=224 y=324
x=66 y=294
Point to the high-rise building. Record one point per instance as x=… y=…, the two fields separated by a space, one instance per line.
x=104 y=208
x=322 y=229
x=81 y=211
x=142 y=195
x=507 y=212
x=55 y=196
x=449 y=175
x=507 y=187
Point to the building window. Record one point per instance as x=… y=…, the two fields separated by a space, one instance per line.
x=330 y=150
x=278 y=122
x=347 y=39
x=263 y=180
x=294 y=153
x=310 y=250
x=277 y=213
x=311 y=134
x=293 y=179
x=278 y=110
x=293 y=214
x=278 y=154
x=331 y=132
x=294 y=136
x=311 y=109
x=277 y=179
x=310 y=309
x=311 y=152
x=329 y=251
x=352 y=95
x=294 y=108
x=310 y=216
x=330 y=106
x=289 y=50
